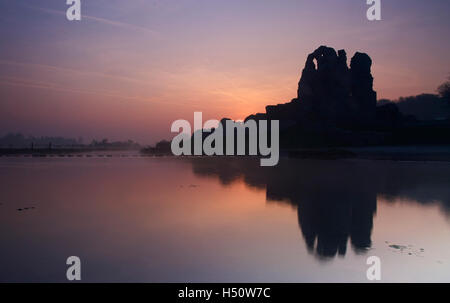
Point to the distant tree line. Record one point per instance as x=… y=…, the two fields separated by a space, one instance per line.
x=425 y=106
x=18 y=140
x=106 y=144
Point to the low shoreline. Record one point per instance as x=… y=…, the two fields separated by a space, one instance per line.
x=393 y=153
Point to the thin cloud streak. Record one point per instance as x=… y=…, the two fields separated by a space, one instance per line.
x=12 y=81
x=101 y=20
x=72 y=71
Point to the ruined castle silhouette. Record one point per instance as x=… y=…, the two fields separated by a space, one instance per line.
x=329 y=92
x=336 y=105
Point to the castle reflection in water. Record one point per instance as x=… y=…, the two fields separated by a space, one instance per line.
x=336 y=200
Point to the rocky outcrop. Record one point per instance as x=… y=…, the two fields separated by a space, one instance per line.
x=363 y=98
x=332 y=99
x=331 y=93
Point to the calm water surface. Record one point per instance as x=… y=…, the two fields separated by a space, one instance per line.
x=223 y=220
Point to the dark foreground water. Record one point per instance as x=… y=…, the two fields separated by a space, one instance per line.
x=223 y=220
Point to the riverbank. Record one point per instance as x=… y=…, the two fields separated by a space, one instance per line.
x=395 y=153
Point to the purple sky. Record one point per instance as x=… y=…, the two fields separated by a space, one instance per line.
x=129 y=68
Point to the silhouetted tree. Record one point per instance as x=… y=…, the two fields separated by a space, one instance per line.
x=444 y=90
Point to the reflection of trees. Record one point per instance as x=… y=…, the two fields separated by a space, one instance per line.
x=335 y=200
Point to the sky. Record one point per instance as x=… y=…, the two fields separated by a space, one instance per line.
x=128 y=69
